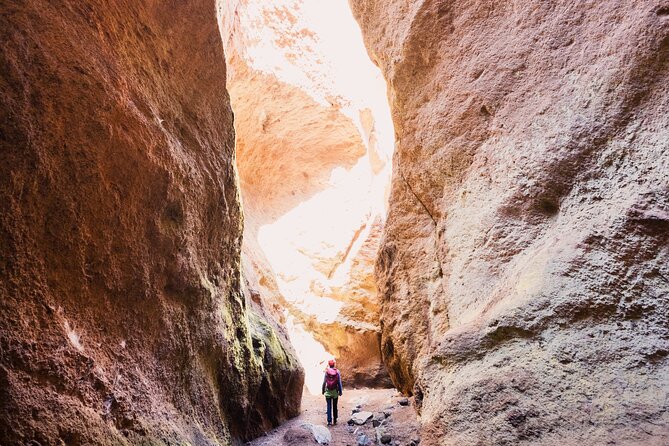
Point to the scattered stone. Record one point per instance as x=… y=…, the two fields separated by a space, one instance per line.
x=320 y=433
x=107 y=404
x=360 y=418
x=355 y=410
x=363 y=440
x=387 y=413
x=378 y=419
x=404 y=402
x=386 y=439
x=297 y=436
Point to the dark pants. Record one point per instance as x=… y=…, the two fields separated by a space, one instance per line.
x=332 y=408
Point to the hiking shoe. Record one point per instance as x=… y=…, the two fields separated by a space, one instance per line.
x=329 y=424
x=335 y=421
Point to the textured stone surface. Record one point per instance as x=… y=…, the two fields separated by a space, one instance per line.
x=320 y=434
x=402 y=424
x=122 y=318
x=524 y=266
x=313 y=160
x=360 y=418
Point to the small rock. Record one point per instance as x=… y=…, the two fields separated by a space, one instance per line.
x=321 y=433
x=386 y=439
x=404 y=402
x=363 y=440
x=108 y=404
x=379 y=418
x=387 y=413
x=355 y=410
x=297 y=435
x=360 y=418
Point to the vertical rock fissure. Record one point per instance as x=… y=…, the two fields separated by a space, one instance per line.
x=422 y=204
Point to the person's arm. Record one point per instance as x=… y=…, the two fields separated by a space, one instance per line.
x=323 y=386
x=341 y=388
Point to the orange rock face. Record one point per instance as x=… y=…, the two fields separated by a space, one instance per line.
x=313 y=148
x=122 y=317
x=524 y=262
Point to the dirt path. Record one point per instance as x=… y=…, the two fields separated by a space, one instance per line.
x=396 y=421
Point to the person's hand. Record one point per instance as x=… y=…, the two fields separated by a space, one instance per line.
x=340 y=393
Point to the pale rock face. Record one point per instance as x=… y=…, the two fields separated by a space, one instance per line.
x=524 y=267
x=314 y=139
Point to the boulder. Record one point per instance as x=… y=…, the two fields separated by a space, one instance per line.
x=297 y=436
x=360 y=418
x=320 y=433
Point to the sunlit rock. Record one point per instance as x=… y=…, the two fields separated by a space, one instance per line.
x=314 y=139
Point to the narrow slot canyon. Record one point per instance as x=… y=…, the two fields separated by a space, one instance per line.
x=465 y=204
x=314 y=142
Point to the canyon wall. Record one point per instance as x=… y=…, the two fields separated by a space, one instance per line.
x=524 y=267
x=122 y=315
x=314 y=139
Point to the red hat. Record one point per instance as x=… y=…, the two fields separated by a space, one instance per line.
x=331 y=362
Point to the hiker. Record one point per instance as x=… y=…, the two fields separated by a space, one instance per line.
x=332 y=390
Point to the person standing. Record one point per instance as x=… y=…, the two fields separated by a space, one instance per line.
x=332 y=389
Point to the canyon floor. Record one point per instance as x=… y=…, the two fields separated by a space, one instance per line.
x=399 y=422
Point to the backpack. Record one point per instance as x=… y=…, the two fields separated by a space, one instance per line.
x=332 y=379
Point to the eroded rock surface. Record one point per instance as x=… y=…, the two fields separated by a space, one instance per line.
x=122 y=317
x=524 y=269
x=313 y=151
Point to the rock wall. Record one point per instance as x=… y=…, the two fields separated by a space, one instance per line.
x=313 y=152
x=122 y=316
x=524 y=268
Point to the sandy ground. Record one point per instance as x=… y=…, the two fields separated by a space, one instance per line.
x=401 y=423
